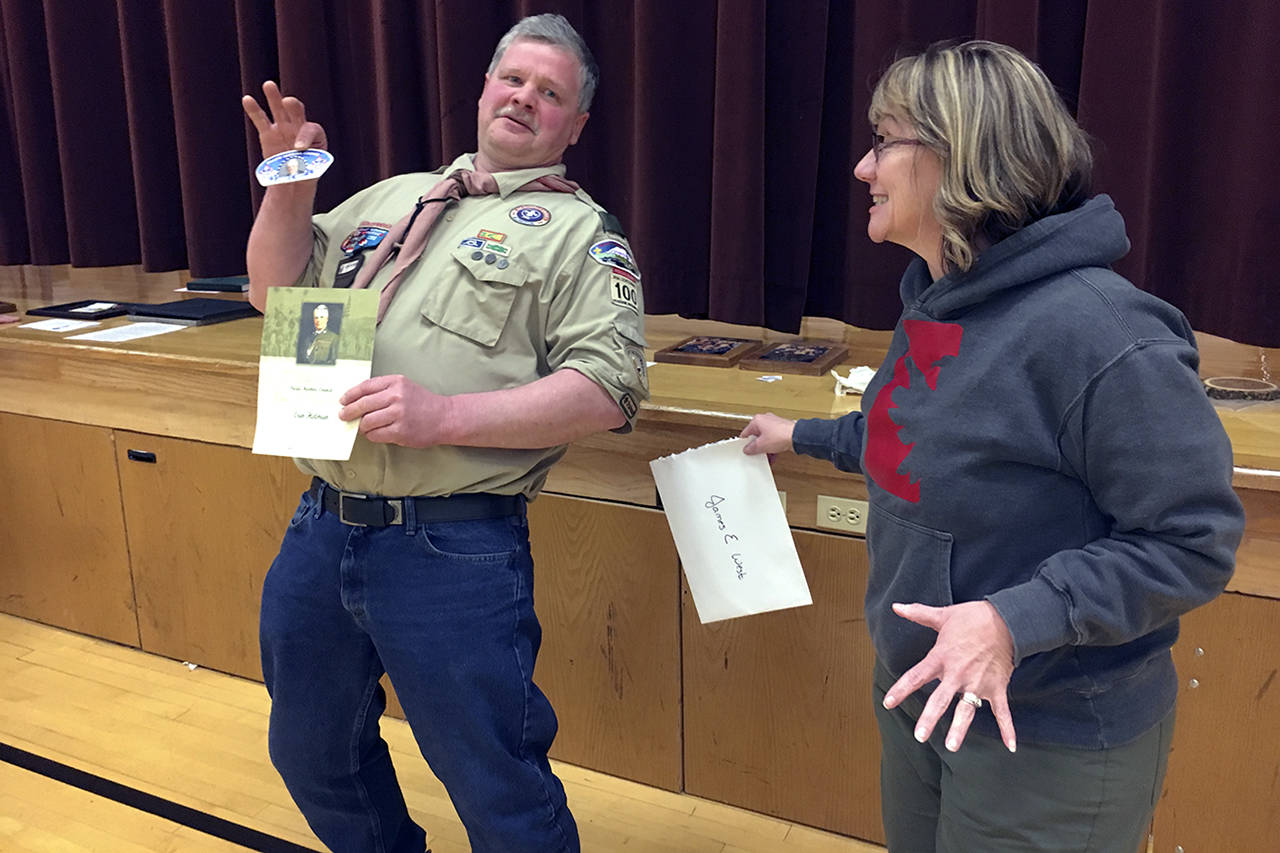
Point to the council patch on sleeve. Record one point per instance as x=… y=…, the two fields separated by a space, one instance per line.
x=613 y=253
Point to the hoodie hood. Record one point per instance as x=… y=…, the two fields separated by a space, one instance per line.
x=1092 y=235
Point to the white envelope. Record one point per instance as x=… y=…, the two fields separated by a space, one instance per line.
x=730 y=530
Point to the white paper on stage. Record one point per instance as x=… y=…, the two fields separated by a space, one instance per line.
x=730 y=530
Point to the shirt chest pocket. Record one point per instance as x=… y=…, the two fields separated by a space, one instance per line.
x=474 y=296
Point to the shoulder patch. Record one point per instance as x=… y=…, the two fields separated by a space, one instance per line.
x=366 y=236
x=613 y=253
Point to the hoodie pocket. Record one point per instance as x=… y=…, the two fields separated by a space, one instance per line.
x=910 y=563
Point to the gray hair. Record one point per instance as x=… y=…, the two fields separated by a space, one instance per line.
x=1011 y=152
x=554 y=30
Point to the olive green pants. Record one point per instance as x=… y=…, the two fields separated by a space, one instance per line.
x=1042 y=799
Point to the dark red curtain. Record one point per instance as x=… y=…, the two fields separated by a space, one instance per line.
x=723 y=136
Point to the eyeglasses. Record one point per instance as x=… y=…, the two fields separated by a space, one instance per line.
x=879 y=144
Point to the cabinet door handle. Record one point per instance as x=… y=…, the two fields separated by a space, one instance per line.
x=142 y=456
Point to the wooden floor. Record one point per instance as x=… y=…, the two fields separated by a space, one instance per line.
x=198 y=738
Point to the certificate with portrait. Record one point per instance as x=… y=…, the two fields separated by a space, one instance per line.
x=316 y=344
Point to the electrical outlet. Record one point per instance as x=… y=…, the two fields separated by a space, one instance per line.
x=843 y=514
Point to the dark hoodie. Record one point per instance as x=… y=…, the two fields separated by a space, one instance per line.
x=1038 y=436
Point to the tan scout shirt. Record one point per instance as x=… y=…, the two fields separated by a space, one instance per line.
x=567 y=296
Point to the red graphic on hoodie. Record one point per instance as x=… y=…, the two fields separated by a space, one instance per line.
x=927 y=344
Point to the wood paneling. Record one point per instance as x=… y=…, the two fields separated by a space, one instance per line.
x=776 y=708
x=1255 y=439
x=803 y=478
x=607 y=583
x=778 y=714
x=1221 y=789
x=63 y=559
x=1258 y=558
x=159 y=393
x=204 y=523
x=198 y=382
x=616 y=467
x=1222 y=357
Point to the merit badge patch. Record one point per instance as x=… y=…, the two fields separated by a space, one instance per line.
x=531 y=214
x=614 y=254
x=473 y=242
x=492 y=236
x=623 y=291
x=364 y=237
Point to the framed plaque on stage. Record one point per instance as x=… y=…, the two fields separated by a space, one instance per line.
x=810 y=358
x=708 y=351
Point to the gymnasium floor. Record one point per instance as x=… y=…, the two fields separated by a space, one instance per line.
x=108 y=749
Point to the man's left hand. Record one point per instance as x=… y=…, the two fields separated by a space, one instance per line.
x=972 y=655
x=396 y=410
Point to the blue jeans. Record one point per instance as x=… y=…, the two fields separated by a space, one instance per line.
x=447 y=609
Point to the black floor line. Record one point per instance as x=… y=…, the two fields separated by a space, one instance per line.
x=158 y=806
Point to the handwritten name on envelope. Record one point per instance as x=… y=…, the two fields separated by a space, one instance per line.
x=730 y=530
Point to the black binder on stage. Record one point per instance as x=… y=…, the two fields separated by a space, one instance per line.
x=82 y=309
x=201 y=311
x=220 y=284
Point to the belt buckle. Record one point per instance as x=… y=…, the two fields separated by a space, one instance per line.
x=343 y=497
x=397 y=510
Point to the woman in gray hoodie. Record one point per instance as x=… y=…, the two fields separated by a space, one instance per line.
x=1050 y=488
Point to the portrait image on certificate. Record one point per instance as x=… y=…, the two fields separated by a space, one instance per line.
x=320 y=324
x=317 y=342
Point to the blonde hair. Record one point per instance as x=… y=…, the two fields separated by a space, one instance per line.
x=1011 y=152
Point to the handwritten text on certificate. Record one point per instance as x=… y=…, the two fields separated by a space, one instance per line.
x=316 y=343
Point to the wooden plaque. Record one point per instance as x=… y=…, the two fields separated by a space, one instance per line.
x=809 y=358
x=708 y=351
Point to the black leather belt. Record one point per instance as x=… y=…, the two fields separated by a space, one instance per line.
x=368 y=511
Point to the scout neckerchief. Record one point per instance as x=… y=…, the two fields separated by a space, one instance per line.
x=408 y=237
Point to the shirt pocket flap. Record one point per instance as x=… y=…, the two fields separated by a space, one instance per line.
x=630 y=340
x=629 y=333
x=475 y=300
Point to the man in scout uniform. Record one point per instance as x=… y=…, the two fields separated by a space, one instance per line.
x=502 y=337
x=322 y=344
